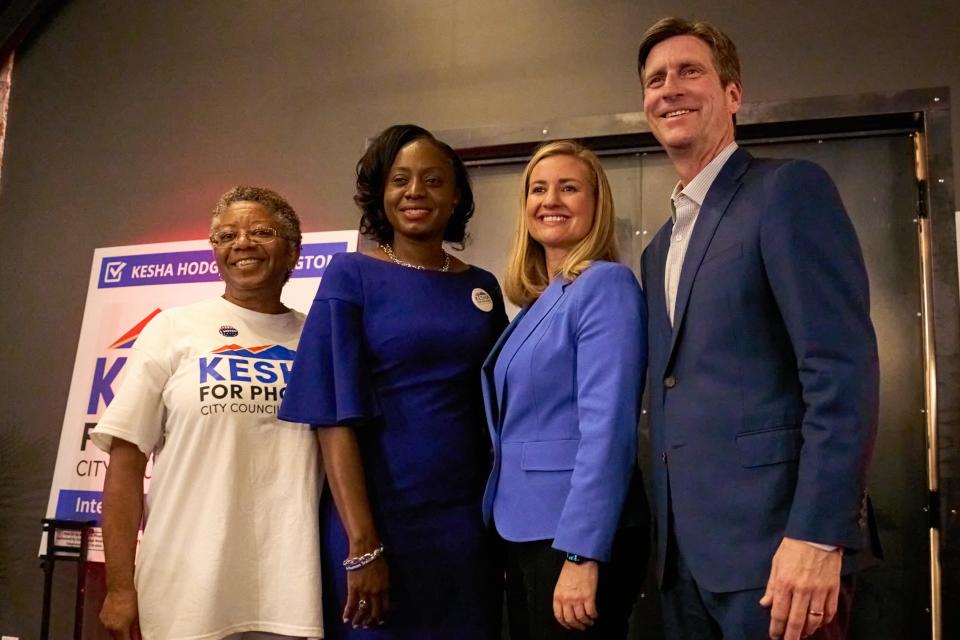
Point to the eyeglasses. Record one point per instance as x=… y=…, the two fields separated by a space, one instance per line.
x=257 y=235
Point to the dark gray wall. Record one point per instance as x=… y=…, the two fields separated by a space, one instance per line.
x=127 y=120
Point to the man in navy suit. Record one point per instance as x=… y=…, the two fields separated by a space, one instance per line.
x=763 y=367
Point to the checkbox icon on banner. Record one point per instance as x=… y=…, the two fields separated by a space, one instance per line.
x=114 y=271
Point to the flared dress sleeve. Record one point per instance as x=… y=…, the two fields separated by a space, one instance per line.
x=330 y=384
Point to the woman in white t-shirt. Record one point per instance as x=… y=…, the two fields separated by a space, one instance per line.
x=230 y=546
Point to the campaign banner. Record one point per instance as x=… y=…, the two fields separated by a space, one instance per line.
x=128 y=287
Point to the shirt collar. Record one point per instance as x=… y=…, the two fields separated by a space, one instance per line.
x=701 y=183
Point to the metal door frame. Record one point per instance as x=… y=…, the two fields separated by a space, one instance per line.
x=923 y=113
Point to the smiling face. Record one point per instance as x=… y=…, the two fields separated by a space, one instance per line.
x=561 y=204
x=420 y=191
x=688 y=110
x=252 y=273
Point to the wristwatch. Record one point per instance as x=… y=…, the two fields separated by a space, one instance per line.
x=576 y=558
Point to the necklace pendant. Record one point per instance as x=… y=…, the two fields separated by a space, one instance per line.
x=388 y=250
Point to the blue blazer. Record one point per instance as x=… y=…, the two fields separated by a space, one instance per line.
x=565 y=429
x=763 y=407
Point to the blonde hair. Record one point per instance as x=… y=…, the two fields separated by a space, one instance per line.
x=526 y=276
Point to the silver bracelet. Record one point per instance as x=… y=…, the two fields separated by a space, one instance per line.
x=359 y=562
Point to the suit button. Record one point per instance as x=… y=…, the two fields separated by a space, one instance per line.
x=669 y=382
x=663 y=457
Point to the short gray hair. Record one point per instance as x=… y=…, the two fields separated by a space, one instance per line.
x=282 y=212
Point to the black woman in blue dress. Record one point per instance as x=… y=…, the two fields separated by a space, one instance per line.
x=389 y=370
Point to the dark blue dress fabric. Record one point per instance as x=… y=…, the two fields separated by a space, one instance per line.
x=395 y=353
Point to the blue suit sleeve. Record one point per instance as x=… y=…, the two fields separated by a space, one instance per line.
x=818 y=278
x=610 y=366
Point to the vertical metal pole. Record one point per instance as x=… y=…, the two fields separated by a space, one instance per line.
x=48 y=565
x=81 y=585
x=930 y=386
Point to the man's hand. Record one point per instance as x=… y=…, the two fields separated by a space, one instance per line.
x=803 y=589
x=575 y=596
x=120 y=616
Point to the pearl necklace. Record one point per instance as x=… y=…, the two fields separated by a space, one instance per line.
x=387 y=249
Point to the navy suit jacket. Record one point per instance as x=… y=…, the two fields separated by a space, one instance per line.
x=565 y=455
x=764 y=392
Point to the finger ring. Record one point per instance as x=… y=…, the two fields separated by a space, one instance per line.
x=362 y=604
x=815 y=613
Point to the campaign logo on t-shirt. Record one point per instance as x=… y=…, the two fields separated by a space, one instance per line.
x=245 y=379
x=263 y=352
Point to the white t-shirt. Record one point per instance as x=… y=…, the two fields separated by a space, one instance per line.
x=231 y=539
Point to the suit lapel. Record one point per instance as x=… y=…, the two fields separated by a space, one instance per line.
x=714 y=206
x=491 y=398
x=658 y=322
x=531 y=316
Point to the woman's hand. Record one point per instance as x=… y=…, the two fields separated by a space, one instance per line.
x=120 y=616
x=368 y=594
x=367 y=587
x=575 y=596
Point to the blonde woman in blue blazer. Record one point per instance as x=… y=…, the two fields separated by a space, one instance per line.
x=562 y=390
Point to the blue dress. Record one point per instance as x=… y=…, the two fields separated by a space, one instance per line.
x=395 y=353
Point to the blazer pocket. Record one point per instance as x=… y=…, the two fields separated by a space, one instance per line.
x=722 y=256
x=771 y=446
x=549 y=455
